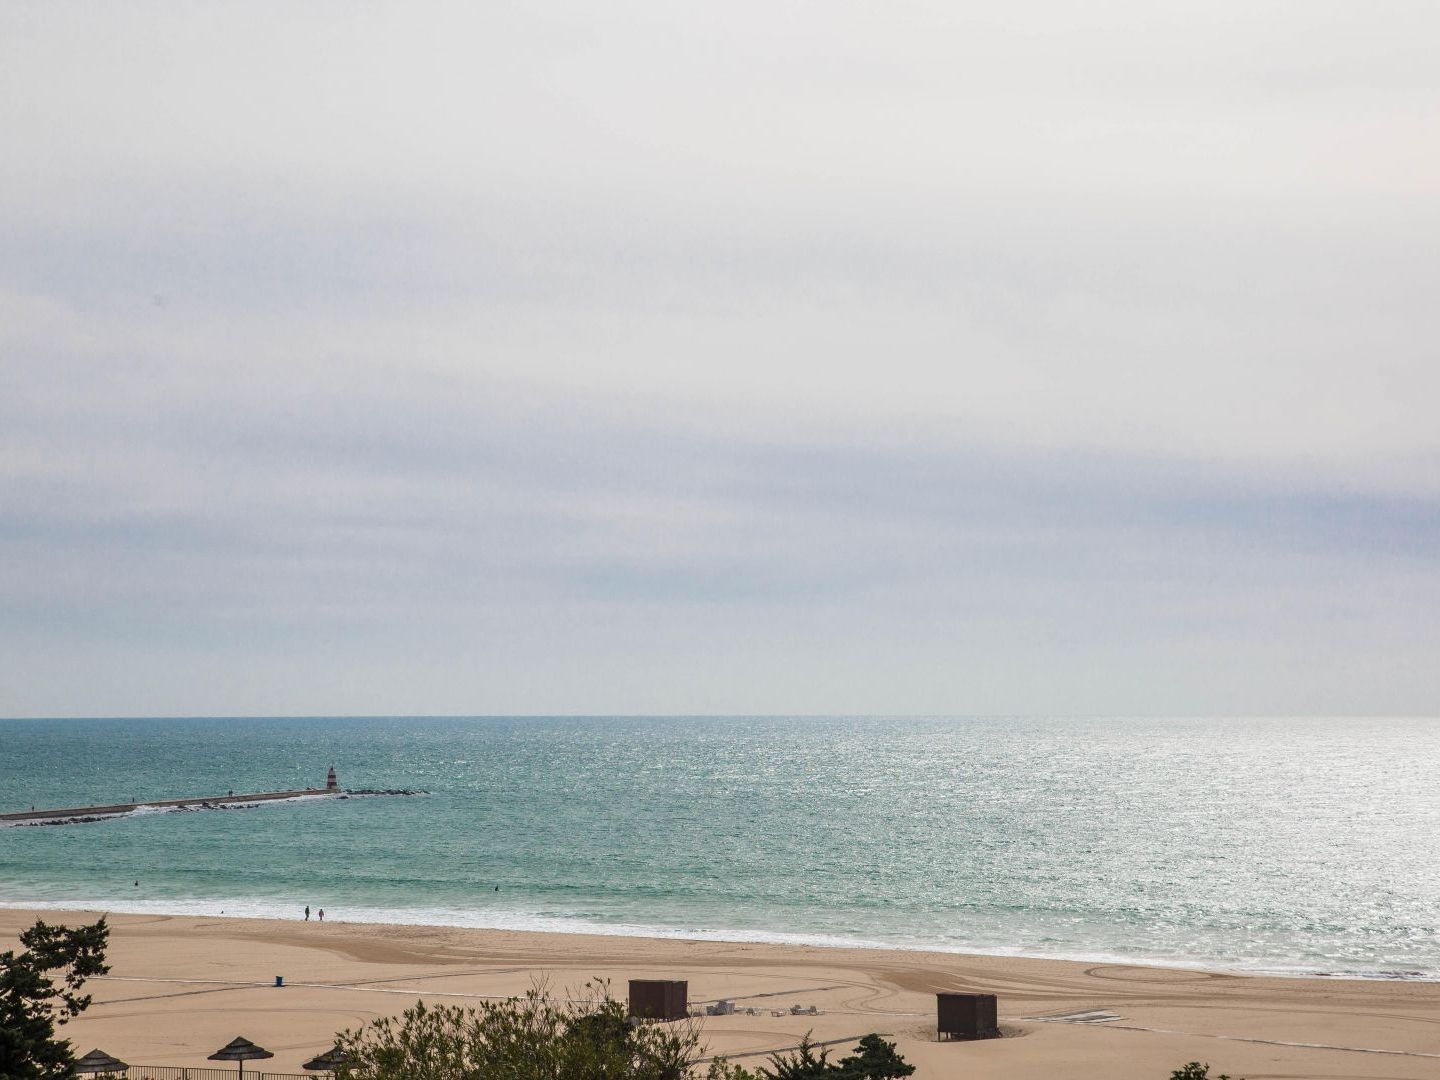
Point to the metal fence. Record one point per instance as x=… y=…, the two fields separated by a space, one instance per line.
x=173 y=1072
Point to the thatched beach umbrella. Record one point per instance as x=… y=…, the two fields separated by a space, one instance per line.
x=241 y=1050
x=329 y=1061
x=97 y=1061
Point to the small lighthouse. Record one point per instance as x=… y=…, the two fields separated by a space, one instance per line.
x=331 y=784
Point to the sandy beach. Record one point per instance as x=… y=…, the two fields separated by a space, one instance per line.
x=182 y=986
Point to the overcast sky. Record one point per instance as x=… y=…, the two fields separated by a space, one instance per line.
x=651 y=357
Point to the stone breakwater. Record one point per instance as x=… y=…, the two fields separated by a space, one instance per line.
x=351 y=792
x=84 y=815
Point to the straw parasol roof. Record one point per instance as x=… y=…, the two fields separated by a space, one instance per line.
x=240 y=1050
x=97 y=1061
x=329 y=1061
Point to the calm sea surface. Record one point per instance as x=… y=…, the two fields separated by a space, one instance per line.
x=1283 y=845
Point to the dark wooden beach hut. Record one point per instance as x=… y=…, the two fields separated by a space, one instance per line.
x=659 y=999
x=240 y=1050
x=97 y=1061
x=967 y=1016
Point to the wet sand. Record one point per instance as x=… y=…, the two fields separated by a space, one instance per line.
x=182 y=986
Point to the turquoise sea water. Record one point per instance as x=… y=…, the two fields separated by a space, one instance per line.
x=1282 y=845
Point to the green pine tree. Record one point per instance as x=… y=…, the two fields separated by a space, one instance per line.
x=876 y=1059
x=32 y=1006
x=803 y=1064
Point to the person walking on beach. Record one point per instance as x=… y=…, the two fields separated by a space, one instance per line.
x=322 y=914
x=307 y=912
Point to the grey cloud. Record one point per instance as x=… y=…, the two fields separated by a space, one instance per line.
x=451 y=492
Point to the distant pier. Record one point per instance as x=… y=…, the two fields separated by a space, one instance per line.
x=208 y=802
x=76 y=815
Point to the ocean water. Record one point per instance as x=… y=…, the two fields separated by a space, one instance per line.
x=1274 y=844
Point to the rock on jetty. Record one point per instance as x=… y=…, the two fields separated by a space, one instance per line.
x=349 y=792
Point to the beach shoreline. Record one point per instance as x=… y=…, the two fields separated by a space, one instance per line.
x=180 y=983
x=201 y=907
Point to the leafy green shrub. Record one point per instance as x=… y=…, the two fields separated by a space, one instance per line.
x=534 y=1037
x=874 y=1059
x=1195 y=1071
